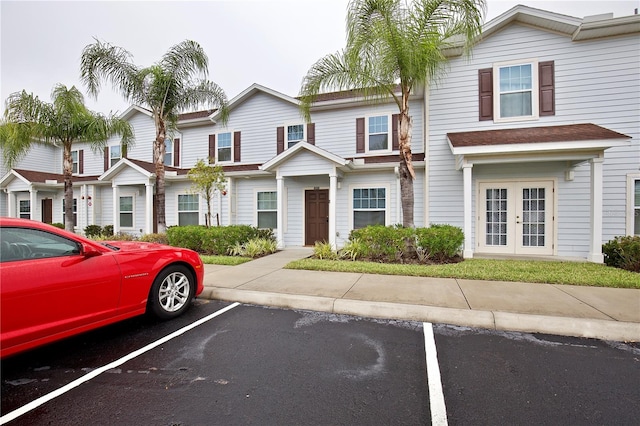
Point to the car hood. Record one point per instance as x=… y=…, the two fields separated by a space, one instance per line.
x=136 y=245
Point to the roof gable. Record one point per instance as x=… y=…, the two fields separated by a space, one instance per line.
x=252 y=90
x=288 y=154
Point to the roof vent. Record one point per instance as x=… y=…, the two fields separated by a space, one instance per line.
x=51 y=181
x=594 y=18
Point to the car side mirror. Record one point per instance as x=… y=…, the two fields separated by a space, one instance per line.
x=90 y=251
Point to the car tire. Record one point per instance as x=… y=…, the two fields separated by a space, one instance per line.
x=171 y=292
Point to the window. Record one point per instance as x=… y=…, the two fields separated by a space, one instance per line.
x=75 y=212
x=74 y=162
x=126 y=211
x=516 y=90
x=25 y=209
x=26 y=244
x=267 y=210
x=114 y=155
x=168 y=152
x=295 y=134
x=188 y=209
x=224 y=147
x=378 y=131
x=369 y=207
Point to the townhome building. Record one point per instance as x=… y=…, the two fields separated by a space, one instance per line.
x=530 y=145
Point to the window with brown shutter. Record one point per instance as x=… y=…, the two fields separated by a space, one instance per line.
x=546 y=88
x=360 y=135
x=395 y=141
x=212 y=149
x=311 y=133
x=176 y=152
x=485 y=89
x=236 y=147
x=280 y=140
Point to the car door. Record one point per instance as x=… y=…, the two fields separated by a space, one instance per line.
x=49 y=288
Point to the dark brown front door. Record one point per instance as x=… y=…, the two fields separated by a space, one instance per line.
x=316 y=216
x=47 y=210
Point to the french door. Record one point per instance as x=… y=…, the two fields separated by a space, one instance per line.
x=516 y=217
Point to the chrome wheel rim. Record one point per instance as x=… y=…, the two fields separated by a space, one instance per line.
x=174 y=292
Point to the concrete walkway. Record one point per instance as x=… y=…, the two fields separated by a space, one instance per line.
x=595 y=312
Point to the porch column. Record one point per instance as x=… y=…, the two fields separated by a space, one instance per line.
x=595 y=251
x=468 y=192
x=148 y=207
x=230 y=198
x=11 y=204
x=33 y=200
x=116 y=209
x=280 y=212
x=333 y=195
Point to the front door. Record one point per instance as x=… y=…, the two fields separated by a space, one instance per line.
x=47 y=210
x=316 y=203
x=516 y=217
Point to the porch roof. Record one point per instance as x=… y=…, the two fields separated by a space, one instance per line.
x=572 y=142
x=287 y=154
x=30 y=177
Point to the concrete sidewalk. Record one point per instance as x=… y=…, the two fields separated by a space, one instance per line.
x=595 y=312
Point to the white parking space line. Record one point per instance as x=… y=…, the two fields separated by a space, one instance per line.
x=436 y=395
x=94 y=373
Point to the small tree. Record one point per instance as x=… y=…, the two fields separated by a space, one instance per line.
x=206 y=180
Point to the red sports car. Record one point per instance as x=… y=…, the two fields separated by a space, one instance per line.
x=54 y=284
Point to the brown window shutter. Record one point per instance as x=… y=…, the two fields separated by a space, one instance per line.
x=212 y=149
x=125 y=149
x=280 y=140
x=311 y=133
x=360 y=135
x=176 y=152
x=395 y=121
x=106 y=158
x=546 y=88
x=81 y=161
x=236 y=147
x=485 y=89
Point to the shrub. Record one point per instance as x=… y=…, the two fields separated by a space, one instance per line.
x=91 y=231
x=324 y=250
x=217 y=240
x=354 y=249
x=58 y=225
x=253 y=248
x=438 y=242
x=385 y=243
x=155 y=238
x=107 y=230
x=623 y=253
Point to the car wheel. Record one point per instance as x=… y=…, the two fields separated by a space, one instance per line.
x=172 y=292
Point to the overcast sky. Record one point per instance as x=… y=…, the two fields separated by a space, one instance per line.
x=269 y=42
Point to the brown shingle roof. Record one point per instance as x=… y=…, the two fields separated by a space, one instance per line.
x=196 y=114
x=151 y=168
x=41 y=177
x=566 y=133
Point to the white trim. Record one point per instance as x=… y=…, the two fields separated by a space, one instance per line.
x=535 y=112
x=630 y=210
x=284 y=155
x=595 y=249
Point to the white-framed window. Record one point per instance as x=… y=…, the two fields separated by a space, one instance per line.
x=633 y=203
x=24 y=209
x=188 y=209
x=126 y=211
x=515 y=90
x=75 y=212
x=378 y=133
x=168 y=152
x=294 y=133
x=224 y=147
x=115 y=153
x=267 y=209
x=369 y=205
x=75 y=167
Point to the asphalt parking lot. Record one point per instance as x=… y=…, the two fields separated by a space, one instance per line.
x=255 y=365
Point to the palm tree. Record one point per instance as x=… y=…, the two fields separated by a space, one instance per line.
x=395 y=45
x=28 y=120
x=173 y=85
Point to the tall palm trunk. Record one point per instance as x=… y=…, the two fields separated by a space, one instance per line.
x=407 y=174
x=67 y=170
x=158 y=159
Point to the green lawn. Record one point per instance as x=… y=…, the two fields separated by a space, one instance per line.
x=573 y=273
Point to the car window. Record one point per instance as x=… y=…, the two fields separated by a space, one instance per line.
x=24 y=243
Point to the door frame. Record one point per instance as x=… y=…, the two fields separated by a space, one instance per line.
x=514 y=233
